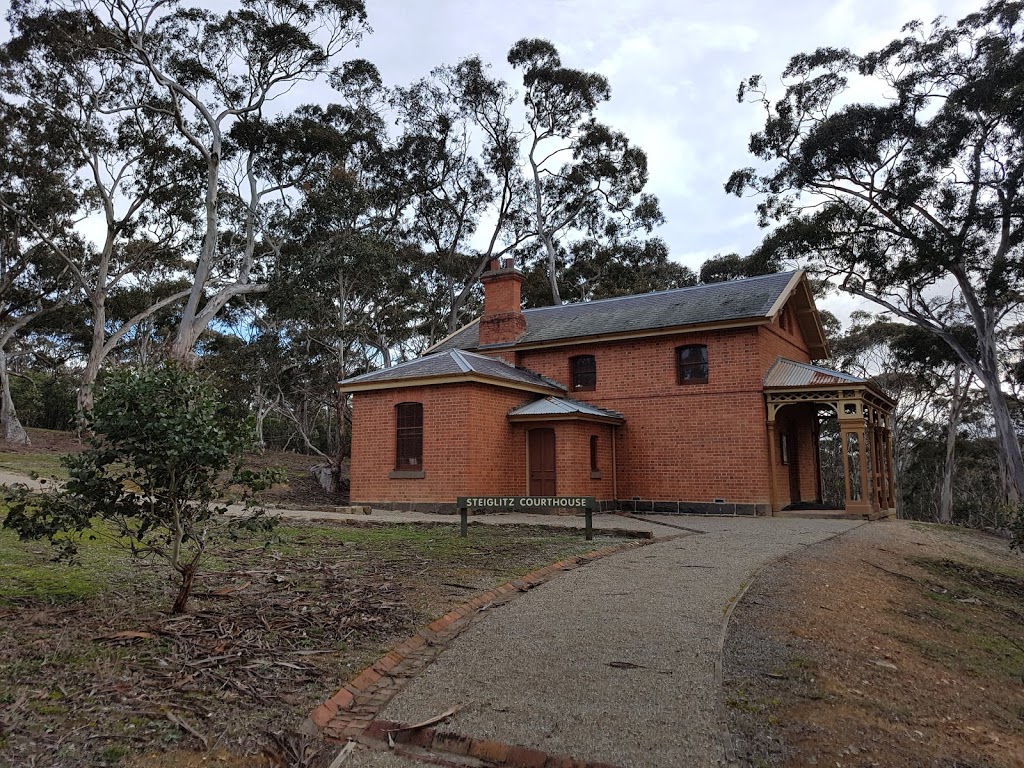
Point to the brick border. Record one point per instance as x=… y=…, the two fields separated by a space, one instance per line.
x=423 y=742
x=349 y=712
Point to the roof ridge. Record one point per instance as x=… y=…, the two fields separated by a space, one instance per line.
x=460 y=360
x=396 y=365
x=667 y=290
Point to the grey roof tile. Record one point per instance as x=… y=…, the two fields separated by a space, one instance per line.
x=455 y=363
x=718 y=302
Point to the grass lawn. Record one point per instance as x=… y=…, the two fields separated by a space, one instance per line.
x=43 y=464
x=94 y=672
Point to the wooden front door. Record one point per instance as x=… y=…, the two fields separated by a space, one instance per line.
x=541 y=450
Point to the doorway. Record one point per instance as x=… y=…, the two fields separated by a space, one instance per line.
x=541 y=455
x=794 y=467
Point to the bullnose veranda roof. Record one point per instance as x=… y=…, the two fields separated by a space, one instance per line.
x=455 y=363
x=752 y=298
x=789 y=373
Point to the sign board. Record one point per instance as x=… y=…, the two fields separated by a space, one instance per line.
x=526 y=503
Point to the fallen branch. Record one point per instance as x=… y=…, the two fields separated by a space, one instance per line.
x=897 y=574
x=181 y=723
x=431 y=721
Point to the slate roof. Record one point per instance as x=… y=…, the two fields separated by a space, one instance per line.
x=751 y=298
x=563 y=406
x=789 y=373
x=455 y=362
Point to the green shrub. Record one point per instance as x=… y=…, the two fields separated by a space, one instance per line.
x=161 y=448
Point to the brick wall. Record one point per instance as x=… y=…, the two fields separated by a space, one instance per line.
x=796 y=421
x=467 y=444
x=680 y=443
x=694 y=443
x=572 y=457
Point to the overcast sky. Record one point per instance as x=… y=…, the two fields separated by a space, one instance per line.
x=673 y=66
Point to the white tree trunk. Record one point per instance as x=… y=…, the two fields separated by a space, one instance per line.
x=945 y=513
x=12 y=430
x=87 y=381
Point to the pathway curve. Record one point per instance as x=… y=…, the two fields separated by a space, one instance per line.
x=614 y=662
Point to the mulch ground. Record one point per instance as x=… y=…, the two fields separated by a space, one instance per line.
x=94 y=672
x=896 y=645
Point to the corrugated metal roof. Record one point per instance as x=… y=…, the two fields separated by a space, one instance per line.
x=751 y=298
x=455 y=363
x=562 y=406
x=789 y=373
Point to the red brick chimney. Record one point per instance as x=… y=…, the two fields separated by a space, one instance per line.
x=502 y=321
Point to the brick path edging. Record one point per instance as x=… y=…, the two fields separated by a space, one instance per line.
x=430 y=741
x=350 y=711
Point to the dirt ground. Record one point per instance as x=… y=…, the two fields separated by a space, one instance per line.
x=95 y=672
x=899 y=644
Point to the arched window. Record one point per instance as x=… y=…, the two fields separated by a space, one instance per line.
x=692 y=364
x=584 y=372
x=409 y=436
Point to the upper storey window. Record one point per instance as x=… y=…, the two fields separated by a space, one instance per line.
x=692 y=364
x=584 y=372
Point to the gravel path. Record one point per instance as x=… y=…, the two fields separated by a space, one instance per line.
x=17 y=478
x=553 y=669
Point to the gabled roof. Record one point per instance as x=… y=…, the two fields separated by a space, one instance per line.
x=755 y=299
x=563 y=408
x=449 y=367
x=789 y=373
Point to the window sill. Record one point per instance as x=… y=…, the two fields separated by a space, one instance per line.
x=403 y=474
x=595 y=474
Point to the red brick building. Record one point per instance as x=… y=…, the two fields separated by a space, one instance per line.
x=693 y=400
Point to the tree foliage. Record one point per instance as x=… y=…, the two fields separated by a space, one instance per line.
x=161 y=450
x=912 y=201
x=597 y=192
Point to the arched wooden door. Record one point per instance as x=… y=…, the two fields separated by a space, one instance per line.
x=541 y=450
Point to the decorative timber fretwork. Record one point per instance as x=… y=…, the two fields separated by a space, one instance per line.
x=865 y=415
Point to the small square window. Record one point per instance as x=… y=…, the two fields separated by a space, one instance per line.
x=692 y=364
x=584 y=372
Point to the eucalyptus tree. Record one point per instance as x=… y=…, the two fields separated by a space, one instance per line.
x=598 y=191
x=459 y=151
x=733 y=266
x=59 y=64
x=344 y=292
x=912 y=201
x=210 y=72
x=933 y=388
x=38 y=186
x=592 y=270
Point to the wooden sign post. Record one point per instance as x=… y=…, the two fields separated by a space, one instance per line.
x=526 y=504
